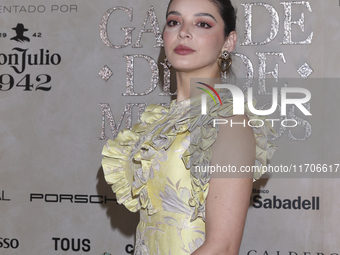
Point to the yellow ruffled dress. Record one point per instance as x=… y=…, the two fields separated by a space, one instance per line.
x=151 y=170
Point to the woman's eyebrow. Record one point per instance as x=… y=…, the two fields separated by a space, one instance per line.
x=205 y=14
x=197 y=14
x=174 y=13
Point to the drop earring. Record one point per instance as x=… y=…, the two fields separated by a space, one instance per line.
x=224 y=62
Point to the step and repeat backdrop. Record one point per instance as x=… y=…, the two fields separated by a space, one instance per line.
x=73 y=73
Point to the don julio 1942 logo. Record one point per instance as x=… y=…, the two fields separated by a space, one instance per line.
x=21 y=57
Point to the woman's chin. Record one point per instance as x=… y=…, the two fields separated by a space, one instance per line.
x=185 y=68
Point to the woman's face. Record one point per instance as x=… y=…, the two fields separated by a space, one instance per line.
x=194 y=34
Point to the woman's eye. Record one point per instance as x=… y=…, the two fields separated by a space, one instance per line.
x=172 y=23
x=203 y=25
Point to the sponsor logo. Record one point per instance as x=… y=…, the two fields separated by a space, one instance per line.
x=255 y=252
x=290 y=204
x=15 y=63
x=20 y=59
x=129 y=249
x=7 y=243
x=2 y=197
x=73 y=244
x=82 y=199
x=260 y=191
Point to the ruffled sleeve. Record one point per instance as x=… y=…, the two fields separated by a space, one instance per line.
x=202 y=139
x=118 y=154
x=114 y=165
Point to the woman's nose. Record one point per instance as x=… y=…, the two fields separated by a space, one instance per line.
x=184 y=32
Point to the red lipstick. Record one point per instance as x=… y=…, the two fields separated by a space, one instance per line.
x=183 y=50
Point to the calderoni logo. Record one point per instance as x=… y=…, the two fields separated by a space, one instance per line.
x=265 y=252
x=129 y=249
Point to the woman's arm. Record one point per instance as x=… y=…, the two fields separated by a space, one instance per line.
x=228 y=198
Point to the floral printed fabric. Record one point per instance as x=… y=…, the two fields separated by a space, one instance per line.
x=151 y=170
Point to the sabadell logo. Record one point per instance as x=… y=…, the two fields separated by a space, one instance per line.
x=291 y=204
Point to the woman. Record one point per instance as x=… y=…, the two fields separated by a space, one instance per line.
x=153 y=167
